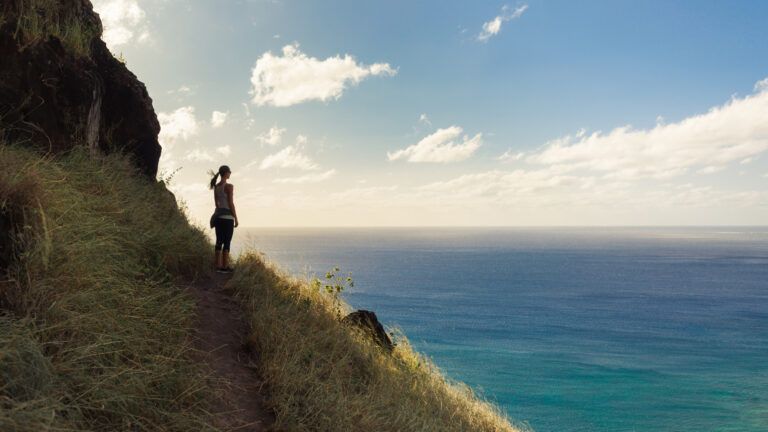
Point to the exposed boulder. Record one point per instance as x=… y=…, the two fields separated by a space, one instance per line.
x=61 y=87
x=369 y=323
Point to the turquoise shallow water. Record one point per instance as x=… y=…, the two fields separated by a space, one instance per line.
x=622 y=329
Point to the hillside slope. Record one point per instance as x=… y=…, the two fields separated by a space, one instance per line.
x=94 y=333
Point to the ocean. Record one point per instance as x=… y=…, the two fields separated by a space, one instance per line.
x=568 y=329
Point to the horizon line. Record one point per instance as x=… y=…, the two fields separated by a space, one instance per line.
x=508 y=226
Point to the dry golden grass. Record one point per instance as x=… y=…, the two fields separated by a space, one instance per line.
x=323 y=376
x=94 y=334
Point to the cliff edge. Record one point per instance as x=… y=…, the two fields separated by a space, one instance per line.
x=61 y=87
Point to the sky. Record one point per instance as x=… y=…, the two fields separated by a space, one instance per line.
x=458 y=113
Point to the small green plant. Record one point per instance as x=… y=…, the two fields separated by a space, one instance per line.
x=333 y=285
x=166 y=177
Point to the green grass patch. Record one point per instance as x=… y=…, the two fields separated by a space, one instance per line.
x=323 y=376
x=39 y=19
x=94 y=332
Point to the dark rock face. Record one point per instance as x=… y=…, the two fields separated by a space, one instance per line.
x=55 y=98
x=367 y=321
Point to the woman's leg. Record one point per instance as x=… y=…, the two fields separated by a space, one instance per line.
x=219 y=243
x=228 y=230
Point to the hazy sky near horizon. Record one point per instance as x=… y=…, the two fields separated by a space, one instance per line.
x=335 y=113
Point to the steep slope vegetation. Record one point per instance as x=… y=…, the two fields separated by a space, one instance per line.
x=94 y=335
x=326 y=376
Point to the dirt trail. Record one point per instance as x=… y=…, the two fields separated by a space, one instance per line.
x=221 y=331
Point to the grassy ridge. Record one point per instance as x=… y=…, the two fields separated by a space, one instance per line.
x=93 y=333
x=324 y=377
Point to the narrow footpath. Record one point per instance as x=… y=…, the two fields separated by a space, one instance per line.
x=221 y=331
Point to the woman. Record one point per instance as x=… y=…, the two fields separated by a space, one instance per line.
x=224 y=219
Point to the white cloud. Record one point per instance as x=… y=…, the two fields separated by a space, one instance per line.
x=184 y=90
x=734 y=131
x=440 y=147
x=123 y=22
x=511 y=156
x=308 y=178
x=424 y=119
x=711 y=169
x=498 y=184
x=294 y=77
x=180 y=124
x=218 y=119
x=272 y=137
x=600 y=171
x=289 y=157
x=365 y=193
x=198 y=155
x=224 y=150
x=547 y=189
x=761 y=85
x=493 y=27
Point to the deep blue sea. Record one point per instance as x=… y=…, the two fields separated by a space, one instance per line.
x=569 y=329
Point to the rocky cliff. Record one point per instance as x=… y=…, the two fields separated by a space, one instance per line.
x=61 y=87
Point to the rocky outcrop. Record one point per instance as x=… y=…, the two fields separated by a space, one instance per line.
x=370 y=325
x=62 y=88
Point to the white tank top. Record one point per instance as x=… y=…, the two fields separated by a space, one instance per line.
x=220 y=195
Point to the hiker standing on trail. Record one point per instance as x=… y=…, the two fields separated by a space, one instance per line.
x=224 y=219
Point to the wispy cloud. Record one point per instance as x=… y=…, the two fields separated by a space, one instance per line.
x=372 y=193
x=294 y=77
x=493 y=27
x=289 y=157
x=307 y=178
x=123 y=21
x=440 y=147
x=511 y=156
x=224 y=150
x=184 y=90
x=272 y=137
x=198 y=155
x=711 y=169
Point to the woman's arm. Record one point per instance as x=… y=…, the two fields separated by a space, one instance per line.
x=231 y=199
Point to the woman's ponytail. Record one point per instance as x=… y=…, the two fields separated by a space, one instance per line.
x=214 y=180
x=222 y=170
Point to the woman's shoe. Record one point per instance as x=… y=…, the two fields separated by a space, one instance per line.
x=222 y=270
x=226 y=270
